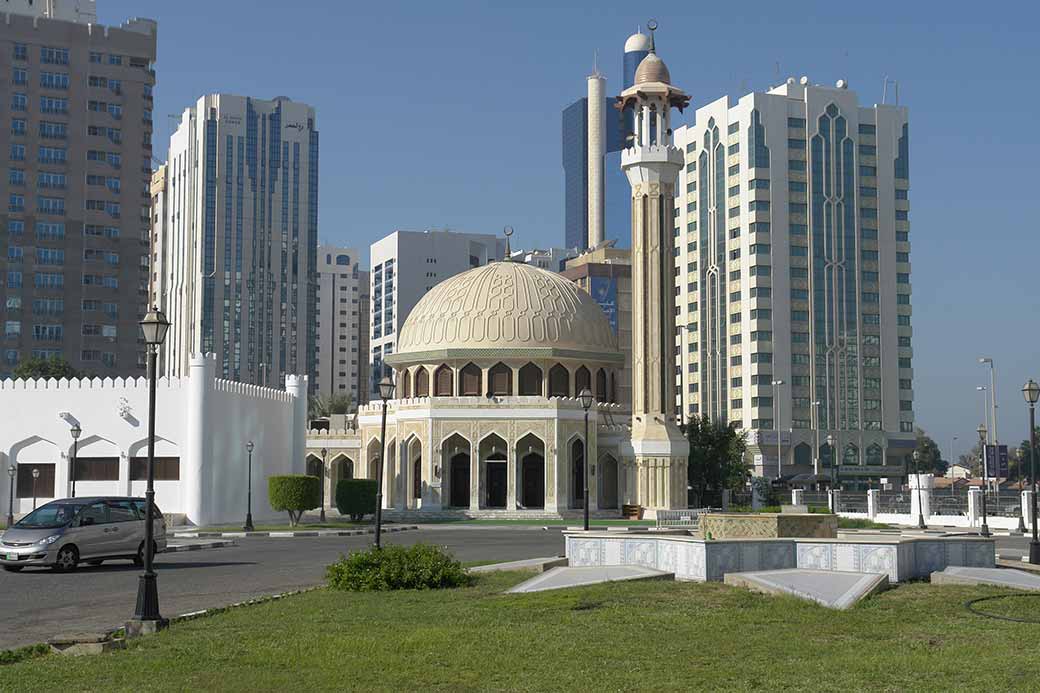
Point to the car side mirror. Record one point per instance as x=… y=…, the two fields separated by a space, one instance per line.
x=86 y=522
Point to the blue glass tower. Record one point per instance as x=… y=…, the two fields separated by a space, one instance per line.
x=575 y=156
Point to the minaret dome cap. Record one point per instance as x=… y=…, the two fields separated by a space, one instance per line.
x=637 y=42
x=652 y=69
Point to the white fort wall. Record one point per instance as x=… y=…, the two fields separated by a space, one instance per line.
x=202 y=421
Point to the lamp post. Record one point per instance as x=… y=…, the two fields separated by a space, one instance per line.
x=11 y=472
x=920 y=506
x=834 y=461
x=776 y=424
x=992 y=394
x=952 y=456
x=1031 y=391
x=75 y=431
x=985 y=420
x=984 y=530
x=248 y=526
x=146 y=617
x=586 y=401
x=386 y=391
x=816 y=445
x=324 y=454
x=36 y=476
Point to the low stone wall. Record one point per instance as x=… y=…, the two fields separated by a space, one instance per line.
x=691 y=558
x=768 y=525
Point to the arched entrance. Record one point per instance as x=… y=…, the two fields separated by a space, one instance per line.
x=494 y=472
x=577 y=473
x=414 y=472
x=608 y=483
x=455 y=452
x=531 y=452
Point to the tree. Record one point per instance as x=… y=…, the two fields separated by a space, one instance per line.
x=716 y=459
x=931 y=461
x=328 y=405
x=1024 y=448
x=36 y=367
x=295 y=494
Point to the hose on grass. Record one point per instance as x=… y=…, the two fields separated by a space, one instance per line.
x=970 y=606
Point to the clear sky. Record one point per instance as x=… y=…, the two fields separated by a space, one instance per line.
x=447 y=114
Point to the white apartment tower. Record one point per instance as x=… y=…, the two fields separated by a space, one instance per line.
x=407 y=264
x=342 y=324
x=241 y=238
x=793 y=282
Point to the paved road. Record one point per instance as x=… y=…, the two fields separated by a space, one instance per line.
x=37 y=604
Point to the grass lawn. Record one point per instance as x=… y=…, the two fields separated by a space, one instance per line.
x=624 y=636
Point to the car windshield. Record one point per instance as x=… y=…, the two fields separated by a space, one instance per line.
x=50 y=515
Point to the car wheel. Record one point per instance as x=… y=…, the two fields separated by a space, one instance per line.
x=139 y=558
x=13 y=568
x=67 y=559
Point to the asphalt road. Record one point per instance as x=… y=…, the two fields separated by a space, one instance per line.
x=37 y=604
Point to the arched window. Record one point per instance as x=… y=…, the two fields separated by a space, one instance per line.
x=851 y=455
x=874 y=454
x=422 y=382
x=582 y=380
x=559 y=381
x=501 y=377
x=613 y=387
x=406 y=384
x=469 y=381
x=442 y=382
x=802 y=454
x=601 y=385
x=342 y=259
x=531 y=380
x=826 y=455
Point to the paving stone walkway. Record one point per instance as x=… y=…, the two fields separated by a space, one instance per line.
x=833 y=589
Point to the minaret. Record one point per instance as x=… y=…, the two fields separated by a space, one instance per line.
x=597 y=129
x=652 y=163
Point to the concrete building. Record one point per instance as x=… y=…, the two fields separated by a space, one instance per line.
x=74 y=240
x=405 y=266
x=592 y=139
x=202 y=425
x=157 y=279
x=242 y=229
x=342 y=324
x=793 y=283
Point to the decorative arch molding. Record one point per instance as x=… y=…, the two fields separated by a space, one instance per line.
x=15 y=450
x=164 y=447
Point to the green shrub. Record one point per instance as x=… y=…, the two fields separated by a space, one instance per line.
x=21 y=654
x=417 y=567
x=294 y=493
x=356 y=498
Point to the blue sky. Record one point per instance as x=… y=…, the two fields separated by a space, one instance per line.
x=447 y=114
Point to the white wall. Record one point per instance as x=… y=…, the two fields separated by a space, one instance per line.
x=203 y=421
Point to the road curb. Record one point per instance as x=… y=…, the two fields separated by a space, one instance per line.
x=177 y=548
x=291 y=534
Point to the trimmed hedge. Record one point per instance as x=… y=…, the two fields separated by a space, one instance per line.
x=294 y=493
x=356 y=498
x=416 y=567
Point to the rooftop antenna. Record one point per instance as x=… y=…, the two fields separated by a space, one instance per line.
x=652 y=26
x=508 y=231
x=595 y=63
x=884 y=90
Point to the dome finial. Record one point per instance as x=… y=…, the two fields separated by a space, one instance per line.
x=652 y=26
x=508 y=231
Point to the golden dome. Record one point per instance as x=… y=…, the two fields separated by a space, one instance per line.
x=652 y=69
x=506 y=307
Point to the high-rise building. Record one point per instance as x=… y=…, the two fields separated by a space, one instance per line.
x=74 y=229
x=406 y=265
x=242 y=238
x=613 y=188
x=793 y=287
x=342 y=334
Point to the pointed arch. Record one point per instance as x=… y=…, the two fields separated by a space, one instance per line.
x=559 y=381
x=607 y=479
x=875 y=454
x=530 y=380
x=851 y=455
x=601 y=385
x=530 y=482
x=582 y=380
x=803 y=454
x=500 y=380
x=443 y=381
x=470 y=384
x=421 y=382
x=406 y=383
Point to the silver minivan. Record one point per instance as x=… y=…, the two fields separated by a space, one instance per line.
x=64 y=533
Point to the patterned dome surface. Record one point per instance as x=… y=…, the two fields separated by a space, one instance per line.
x=652 y=69
x=506 y=305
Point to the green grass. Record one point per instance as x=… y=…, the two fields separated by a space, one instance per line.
x=860 y=523
x=658 y=635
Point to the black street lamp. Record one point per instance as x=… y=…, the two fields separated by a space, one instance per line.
x=75 y=431
x=834 y=461
x=386 y=391
x=984 y=530
x=324 y=454
x=146 y=617
x=920 y=506
x=11 y=472
x=36 y=476
x=1031 y=391
x=248 y=527
x=586 y=401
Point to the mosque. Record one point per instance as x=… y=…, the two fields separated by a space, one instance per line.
x=487 y=419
